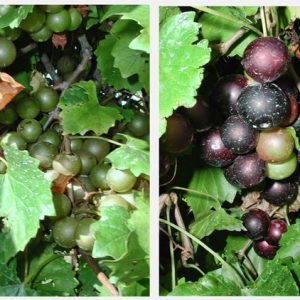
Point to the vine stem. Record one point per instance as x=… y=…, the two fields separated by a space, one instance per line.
x=229 y=18
x=98 y=138
x=208 y=249
x=286 y=211
x=173 y=271
x=263 y=21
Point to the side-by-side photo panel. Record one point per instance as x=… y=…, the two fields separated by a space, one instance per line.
x=229 y=142
x=74 y=150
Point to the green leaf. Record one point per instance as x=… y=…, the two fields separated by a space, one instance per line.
x=80 y=101
x=249 y=10
x=239 y=47
x=138 y=13
x=110 y=74
x=214 y=220
x=87 y=279
x=212 y=183
x=234 y=243
x=166 y=12
x=290 y=243
x=127 y=113
x=24 y=79
x=181 y=59
x=292 y=131
x=133 y=155
x=208 y=285
x=293 y=12
x=133 y=289
x=25 y=199
x=275 y=280
x=15 y=16
x=111 y=232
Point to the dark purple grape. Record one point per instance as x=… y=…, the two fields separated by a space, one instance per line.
x=213 y=151
x=179 y=134
x=280 y=192
x=227 y=91
x=266 y=59
x=246 y=171
x=276 y=229
x=199 y=115
x=263 y=105
x=264 y=249
x=238 y=136
x=257 y=222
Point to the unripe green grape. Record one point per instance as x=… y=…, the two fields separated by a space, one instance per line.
x=139 y=125
x=12 y=34
x=34 y=21
x=5 y=9
x=47 y=98
x=28 y=108
x=113 y=200
x=8 y=52
x=62 y=205
x=30 y=129
x=97 y=147
x=44 y=152
x=52 y=8
x=67 y=164
x=98 y=176
x=50 y=136
x=75 y=145
x=15 y=138
x=59 y=22
x=120 y=181
x=88 y=161
x=66 y=64
x=42 y=35
x=84 y=235
x=76 y=19
x=79 y=188
x=8 y=115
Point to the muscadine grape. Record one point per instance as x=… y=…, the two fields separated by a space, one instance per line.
x=59 y=21
x=120 y=181
x=47 y=98
x=84 y=234
x=44 y=152
x=8 y=115
x=113 y=200
x=8 y=52
x=62 y=205
x=98 y=176
x=67 y=164
x=34 y=20
x=81 y=185
x=28 y=108
x=264 y=249
x=139 y=125
x=96 y=147
x=265 y=59
x=88 y=161
x=30 y=129
x=42 y=35
x=15 y=138
x=76 y=19
x=50 y=136
x=276 y=229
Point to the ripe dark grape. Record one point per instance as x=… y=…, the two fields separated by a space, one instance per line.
x=263 y=105
x=199 y=115
x=264 y=249
x=266 y=59
x=213 y=151
x=246 y=171
x=227 y=91
x=280 y=192
x=276 y=229
x=275 y=145
x=179 y=134
x=238 y=136
x=257 y=222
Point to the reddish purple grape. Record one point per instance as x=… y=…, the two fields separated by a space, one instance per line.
x=199 y=115
x=257 y=222
x=227 y=91
x=213 y=151
x=246 y=171
x=179 y=134
x=280 y=192
x=276 y=229
x=264 y=249
x=263 y=105
x=238 y=136
x=266 y=59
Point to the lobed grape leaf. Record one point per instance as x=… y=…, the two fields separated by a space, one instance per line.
x=208 y=285
x=214 y=187
x=290 y=243
x=80 y=101
x=181 y=61
x=105 y=63
x=14 y=17
x=134 y=288
x=214 y=220
x=167 y=11
x=138 y=13
x=133 y=155
x=25 y=198
x=87 y=279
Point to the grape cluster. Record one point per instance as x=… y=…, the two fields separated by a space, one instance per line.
x=40 y=24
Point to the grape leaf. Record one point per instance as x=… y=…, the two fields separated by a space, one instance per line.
x=133 y=155
x=111 y=232
x=290 y=243
x=138 y=13
x=275 y=280
x=208 y=285
x=234 y=243
x=105 y=63
x=181 y=60
x=214 y=220
x=134 y=288
x=80 y=101
x=10 y=284
x=292 y=131
x=14 y=17
x=239 y=47
x=25 y=198
x=87 y=279
x=215 y=188
x=167 y=11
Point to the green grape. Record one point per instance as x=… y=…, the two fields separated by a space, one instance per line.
x=84 y=235
x=8 y=52
x=43 y=35
x=113 y=200
x=66 y=64
x=88 y=161
x=52 y=8
x=28 y=108
x=76 y=145
x=62 y=205
x=76 y=19
x=15 y=138
x=30 y=129
x=8 y=115
x=34 y=21
x=98 y=176
x=67 y=164
x=44 y=152
x=47 y=98
x=5 y=9
x=139 y=125
x=84 y=185
x=120 y=181
x=59 y=22
x=50 y=136
x=64 y=232
x=98 y=148
x=12 y=34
